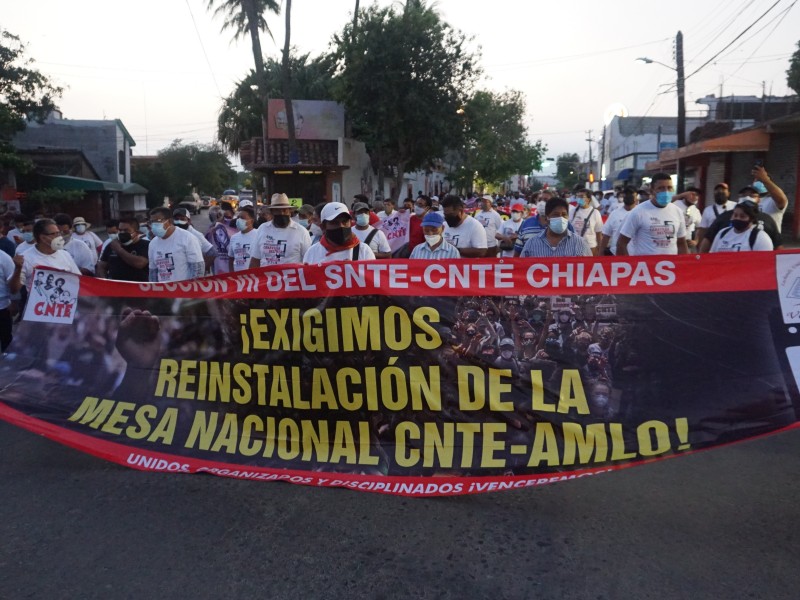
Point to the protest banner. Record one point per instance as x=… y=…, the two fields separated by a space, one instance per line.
x=412 y=377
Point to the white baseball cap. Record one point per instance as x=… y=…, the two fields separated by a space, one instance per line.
x=245 y=202
x=332 y=210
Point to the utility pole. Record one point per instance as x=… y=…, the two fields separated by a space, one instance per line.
x=681 y=107
x=591 y=163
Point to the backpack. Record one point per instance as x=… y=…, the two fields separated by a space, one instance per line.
x=753 y=234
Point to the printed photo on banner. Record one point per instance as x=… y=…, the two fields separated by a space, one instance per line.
x=53 y=297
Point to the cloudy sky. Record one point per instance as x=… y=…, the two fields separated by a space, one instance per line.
x=162 y=66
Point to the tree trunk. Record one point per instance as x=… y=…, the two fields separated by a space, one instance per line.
x=379 y=160
x=261 y=77
x=355 y=21
x=287 y=84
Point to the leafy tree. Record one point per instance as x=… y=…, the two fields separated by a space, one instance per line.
x=567 y=170
x=51 y=200
x=240 y=116
x=246 y=17
x=793 y=73
x=402 y=76
x=182 y=169
x=24 y=94
x=496 y=144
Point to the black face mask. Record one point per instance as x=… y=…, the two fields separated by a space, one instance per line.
x=125 y=238
x=453 y=220
x=339 y=236
x=281 y=221
x=739 y=225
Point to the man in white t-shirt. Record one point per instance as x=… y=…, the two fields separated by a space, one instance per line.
x=492 y=222
x=242 y=243
x=174 y=254
x=47 y=252
x=374 y=238
x=509 y=229
x=280 y=241
x=586 y=220
x=773 y=200
x=388 y=209
x=614 y=222
x=656 y=226
x=687 y=203
x=722 y=203
x=82 y=233
x=338 y=242
x=462 y=231
x=82 y=253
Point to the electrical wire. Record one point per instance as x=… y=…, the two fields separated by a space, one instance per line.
x=202 y=46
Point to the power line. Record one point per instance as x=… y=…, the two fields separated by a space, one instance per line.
x=748 y=28
x=724 y=27
x=202 y=46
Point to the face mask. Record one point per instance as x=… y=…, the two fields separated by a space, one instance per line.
x=452 y=220
x=339 y=236
x=182 y=224
x=303 y=223
x=419 y=211
x=432 y=240
x=540 y=208
x=739 y=225
x=80 y=228
x=58 y=244
x=27 y=236
x=664 y=198
x=315 y=230
x=125 y=238
x=515 y=216
x=558 y=225
x=144 y=230
x=362 y=220
x=507 y=354
x=719 y=197
x=113 y=236
x=241 y=224
x=159 y=230
x=281 y=221
x=584 y=202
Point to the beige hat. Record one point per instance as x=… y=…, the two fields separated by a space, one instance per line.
x=80 y=221
x=279 y=201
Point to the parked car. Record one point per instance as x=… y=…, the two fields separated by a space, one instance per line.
x=191 y=202
x=206 y=201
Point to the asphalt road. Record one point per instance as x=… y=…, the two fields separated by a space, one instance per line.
x=721 y=524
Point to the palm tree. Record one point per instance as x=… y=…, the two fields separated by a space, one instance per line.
x=287 y=86
x=246 y=17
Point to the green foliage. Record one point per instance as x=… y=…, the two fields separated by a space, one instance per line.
x=24 y=94
x=51 y=200
x=793 y=72
x=567 y=170
x=401 y=77
x=181 y=169
x=238 y=14
x=240 y=116
x=495 y=140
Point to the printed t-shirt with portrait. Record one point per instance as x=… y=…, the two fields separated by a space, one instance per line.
x=60 y=259
x=281 y=245
x=654 y=230
x=239 y=248
x=590 y=219
x=469 y=234
x=491 y=222
x=172 y=258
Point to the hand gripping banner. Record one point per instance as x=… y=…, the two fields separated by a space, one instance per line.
x=412 y=377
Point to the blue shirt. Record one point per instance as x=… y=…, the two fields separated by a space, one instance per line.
x=570 y=245
x=443 y=251
x=529 y=228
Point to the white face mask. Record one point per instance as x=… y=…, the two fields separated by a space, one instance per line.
x=419 y=211
x=515 y=216
x=80 y=228
x=362 y=220
x=58 y=243
x=540 y=208
x=315 y=230
x=432 y=240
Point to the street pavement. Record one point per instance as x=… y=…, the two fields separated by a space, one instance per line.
x=722 y=524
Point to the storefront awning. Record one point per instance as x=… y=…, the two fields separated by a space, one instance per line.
x=67 y=182
x=752 y=140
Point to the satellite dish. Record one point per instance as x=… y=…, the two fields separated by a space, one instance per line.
x=617 y=109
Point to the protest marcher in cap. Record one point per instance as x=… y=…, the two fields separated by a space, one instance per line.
x=434 y=247
x=338 y=241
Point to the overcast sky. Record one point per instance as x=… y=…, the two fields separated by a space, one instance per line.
x=162 y=66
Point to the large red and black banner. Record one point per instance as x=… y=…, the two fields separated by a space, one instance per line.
x=413 y=377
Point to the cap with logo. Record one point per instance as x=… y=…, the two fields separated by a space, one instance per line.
x=333 y=210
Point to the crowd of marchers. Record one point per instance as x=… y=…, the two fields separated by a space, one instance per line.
x=167 y=247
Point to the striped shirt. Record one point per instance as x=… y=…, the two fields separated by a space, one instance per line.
x=570 y=245
x=443 y=251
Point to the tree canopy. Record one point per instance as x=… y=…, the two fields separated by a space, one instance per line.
x=182 y=168
x=240 y=116
x=402 y=76
x=793 y=73
x=24 y=94
x=495 y=139
x=567 y=170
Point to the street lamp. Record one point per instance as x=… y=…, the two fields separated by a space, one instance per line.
x=678 y=68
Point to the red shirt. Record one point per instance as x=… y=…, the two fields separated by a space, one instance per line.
x=415 y=234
